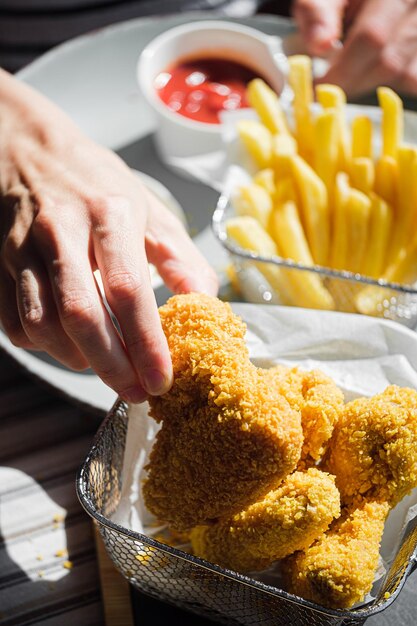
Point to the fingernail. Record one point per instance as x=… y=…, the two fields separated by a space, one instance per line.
x=205 y=288
x=321 y=37
x=337 y=45
x=134 y=395
x=209 y=286
x=319 y=32
x=155 y=382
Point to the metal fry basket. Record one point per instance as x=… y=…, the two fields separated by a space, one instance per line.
x=351 y=292
x=176 y=577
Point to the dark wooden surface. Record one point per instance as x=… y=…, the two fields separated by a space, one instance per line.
x=43 y=441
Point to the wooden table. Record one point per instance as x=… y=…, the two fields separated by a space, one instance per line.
x=49 y=574
x=48 y=566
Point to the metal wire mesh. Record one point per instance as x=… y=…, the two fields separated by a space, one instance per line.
x=174 y=576
x=351 y=292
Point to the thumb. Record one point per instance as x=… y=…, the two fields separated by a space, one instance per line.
x=319 y=22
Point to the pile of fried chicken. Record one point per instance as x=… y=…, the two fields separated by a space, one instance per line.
x=267 y=464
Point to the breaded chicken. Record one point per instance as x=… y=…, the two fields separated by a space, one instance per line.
x=373 y=454
x=320 y=402
x=374 y=446
x=339 y=569
x=289 y=518
x=228 y=437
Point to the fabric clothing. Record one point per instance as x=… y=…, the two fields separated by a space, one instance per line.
x=30 y=27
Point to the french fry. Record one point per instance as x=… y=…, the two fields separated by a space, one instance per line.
x=249 y=235
x=371 y=300
x=255 y=201
x=386 y=179
x=320 y=198
x=285 y=191
x=300 y=79
x=404 y=269
x=379 y=233
x=333 y=97
x=267 y=105
x=361 y=137
x=283 y=147
x=362 y=174
x=339 y=247
x=257 y=139
x=358 y=211
x=314 y=208
x=330 y=96
x=407 y=199
x=266 y=179
x=288 y=233
x=233 y=278
x=392 y=120
x=326 y=138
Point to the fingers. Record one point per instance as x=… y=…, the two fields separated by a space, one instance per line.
x=39 y=317
x=371 y=55
x=180 y=264
x=409 y=80
x=399 y=58
x=80 y=309
x=319 y=22
x=55 y=241
x=26 y=303
x=9 y=314
x=118 y=247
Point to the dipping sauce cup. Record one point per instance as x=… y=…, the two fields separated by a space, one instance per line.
x=206 y=51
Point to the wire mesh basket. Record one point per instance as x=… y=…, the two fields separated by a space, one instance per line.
x=350 y=292
x=179 y=578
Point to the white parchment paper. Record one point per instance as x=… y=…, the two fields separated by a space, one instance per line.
x=362 y=354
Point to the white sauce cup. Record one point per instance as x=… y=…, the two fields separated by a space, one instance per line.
x=177 y=136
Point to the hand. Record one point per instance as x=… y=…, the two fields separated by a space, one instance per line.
x=68 y=207
x=380 y=47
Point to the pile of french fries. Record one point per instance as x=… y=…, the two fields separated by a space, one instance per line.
x=322 y=197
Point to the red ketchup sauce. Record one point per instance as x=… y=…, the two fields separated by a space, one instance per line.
x=200 y=88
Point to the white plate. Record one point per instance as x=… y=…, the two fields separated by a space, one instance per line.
x=93 y=78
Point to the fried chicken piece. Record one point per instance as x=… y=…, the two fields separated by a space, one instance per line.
x=374 y=447
x=373 y=454
x=287 y=519
x=320 y=402
x=339 y=569
x=227 y=436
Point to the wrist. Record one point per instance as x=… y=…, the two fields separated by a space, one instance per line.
x=26 y=112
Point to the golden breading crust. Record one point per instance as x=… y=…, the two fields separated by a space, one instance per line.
x=338 y=570
x=289 y=518
x=227 y=436
x=374 y=446
x=318 y=399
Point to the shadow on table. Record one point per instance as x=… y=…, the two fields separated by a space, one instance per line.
x=148 y=611
x=43 y=441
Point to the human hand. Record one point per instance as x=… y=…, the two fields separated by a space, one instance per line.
x=380 y=46
x=68 y=207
